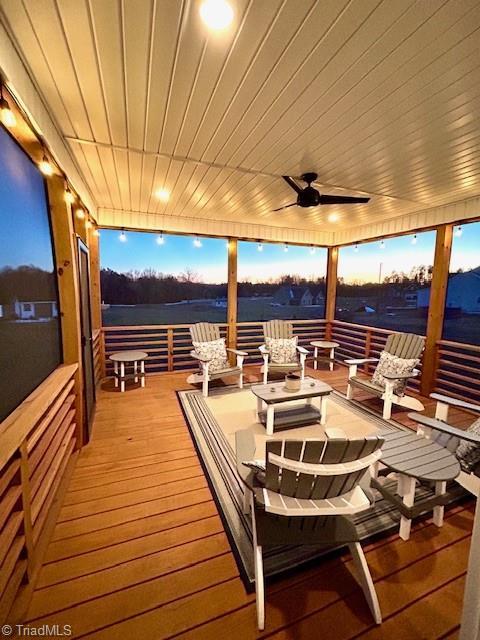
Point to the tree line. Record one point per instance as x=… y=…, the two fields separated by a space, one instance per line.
x=26 y=283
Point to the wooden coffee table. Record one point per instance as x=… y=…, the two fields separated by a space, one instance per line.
x=274 y=395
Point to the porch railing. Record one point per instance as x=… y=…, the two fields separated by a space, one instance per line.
x=457 y=364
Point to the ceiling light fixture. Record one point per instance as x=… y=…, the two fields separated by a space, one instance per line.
x=197 y=242
x=162 y=194
x=123 y=237
x=160 y=238
x=7 y=115
x=458 y=231
x=414 y=239
x=216 y=14
x=333 y=217
x=45 y=166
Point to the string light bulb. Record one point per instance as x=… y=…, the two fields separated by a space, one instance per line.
x=458 y=231
x=96 y=233
x=259 y=246
x=160 y=239
x=414 y=239
x=355 y=248
x=122 y=237
x=312 y=250
x=382 y=244
x=6 y=114
x=45 y=166
x=69 y=197
x=197 y=243
x=88 y=224
x=80 y=213
x=285 y=248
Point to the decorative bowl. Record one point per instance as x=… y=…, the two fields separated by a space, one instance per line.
x=293 y=382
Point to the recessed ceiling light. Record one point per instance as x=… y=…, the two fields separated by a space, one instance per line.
x=333 y=217
x=216 y=14
x=162 y=194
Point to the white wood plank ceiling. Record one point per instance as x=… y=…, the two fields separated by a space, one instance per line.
x=378 y=97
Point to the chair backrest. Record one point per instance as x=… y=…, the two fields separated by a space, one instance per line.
x=205 y=332
x=405 y=345
x=318 y=469
x=278 y=329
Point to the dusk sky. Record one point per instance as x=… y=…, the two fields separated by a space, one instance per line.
x=25 y=237
x=178 y=253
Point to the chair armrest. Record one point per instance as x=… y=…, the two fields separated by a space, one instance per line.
x=401 y=376
x=454 y=402
x=263 y=350
x=237 y=352
x=335 y=432
x=302 y=350
x=245 y=450
x=361 y=361
x=195 y=355
x=438 y=425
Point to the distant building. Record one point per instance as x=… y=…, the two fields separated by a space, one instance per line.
x=463 y=292
x=26 y=310
x=293 y=295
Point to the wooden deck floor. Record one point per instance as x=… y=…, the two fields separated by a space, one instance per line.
x=139 y=550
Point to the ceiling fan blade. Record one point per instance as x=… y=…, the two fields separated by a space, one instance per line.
x=294 y=204
x=291 y=182
x=324 y=199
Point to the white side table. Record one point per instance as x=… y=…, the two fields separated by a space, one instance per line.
x=326 y=345
x=123 y=358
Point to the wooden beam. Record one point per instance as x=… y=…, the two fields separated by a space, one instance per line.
x=436 y=308
x=68 y=287
x=95 y=292
x=232 y=295
x=331 y=292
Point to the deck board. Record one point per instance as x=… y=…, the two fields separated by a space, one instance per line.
x=139 y=549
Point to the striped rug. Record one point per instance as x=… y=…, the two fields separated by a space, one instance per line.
x=213 y=421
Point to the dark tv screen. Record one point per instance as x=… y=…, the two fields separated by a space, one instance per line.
x=30 y=340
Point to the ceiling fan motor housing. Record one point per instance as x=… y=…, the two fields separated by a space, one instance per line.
x=308 y=197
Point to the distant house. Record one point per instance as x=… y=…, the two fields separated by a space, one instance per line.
x=35 y=310
x=318 y=294
x=221 y=303
x=463 y=292
x=293 y=295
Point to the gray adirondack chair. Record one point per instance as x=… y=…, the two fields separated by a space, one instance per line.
x=402 y=345
x=439 y=430
x=309 y=490
x=207 y=332
x=281 y=329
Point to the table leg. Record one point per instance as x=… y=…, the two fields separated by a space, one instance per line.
x=270 y=419
x=135 y=373
x=259 y=408
x=315 y=356
x=115 y=368
x=323 y=409
x=122 y=377
x=408 y=491
x=440 y=489
x=332 y=355
x=142 y=371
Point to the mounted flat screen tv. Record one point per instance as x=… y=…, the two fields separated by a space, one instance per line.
x=30 y=340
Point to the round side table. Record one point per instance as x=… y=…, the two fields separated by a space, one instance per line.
x=325 y=345
x=124 y=358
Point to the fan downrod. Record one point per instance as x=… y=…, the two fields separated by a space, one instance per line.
x=309 y=177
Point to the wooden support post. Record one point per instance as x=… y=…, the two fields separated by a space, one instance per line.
x=170 y=349
x=331 y=293
x=232 y=297
x=436 y=308
x=67 y=275
x=95 y=293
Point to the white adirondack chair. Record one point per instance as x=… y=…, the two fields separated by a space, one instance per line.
x=281 y=329
x=438 y=429
x=322 y=481
x=402 y=345
x=207 y=332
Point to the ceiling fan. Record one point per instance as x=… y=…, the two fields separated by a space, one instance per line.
x=310 y=197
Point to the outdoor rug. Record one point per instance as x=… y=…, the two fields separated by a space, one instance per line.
x=213 y=422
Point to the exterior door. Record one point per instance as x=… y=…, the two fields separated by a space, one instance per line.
x=86 y=332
